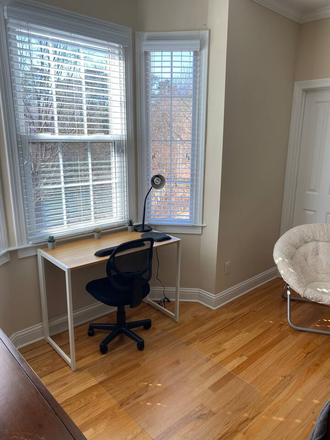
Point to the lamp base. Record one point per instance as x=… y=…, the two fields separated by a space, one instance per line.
x=141 y=228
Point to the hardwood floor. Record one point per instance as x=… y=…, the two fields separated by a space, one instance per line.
x=236 y=373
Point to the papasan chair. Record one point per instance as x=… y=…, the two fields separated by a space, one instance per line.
x=302 y=256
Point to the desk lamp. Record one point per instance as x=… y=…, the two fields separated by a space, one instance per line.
x=157 y=182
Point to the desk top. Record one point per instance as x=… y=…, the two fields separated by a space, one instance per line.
x=80 y=253
x=27 y=409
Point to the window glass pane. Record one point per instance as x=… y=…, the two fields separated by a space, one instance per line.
x=172 y=142
x=74 y=184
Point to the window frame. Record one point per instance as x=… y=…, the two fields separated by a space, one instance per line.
x=62 y=20
x=161 y=41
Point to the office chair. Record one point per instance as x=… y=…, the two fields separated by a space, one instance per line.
x=121 y=288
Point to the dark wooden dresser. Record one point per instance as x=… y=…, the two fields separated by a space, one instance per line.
x=27 y=409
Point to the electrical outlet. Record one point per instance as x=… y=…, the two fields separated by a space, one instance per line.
x=227 y=267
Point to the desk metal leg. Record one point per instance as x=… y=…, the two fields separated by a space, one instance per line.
x=43 y=293
x=174 y=315
x=178 y=275
x=70 y=318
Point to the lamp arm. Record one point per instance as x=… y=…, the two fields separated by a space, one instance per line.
x=144 y=207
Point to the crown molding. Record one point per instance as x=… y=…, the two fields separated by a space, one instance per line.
x=293 y=13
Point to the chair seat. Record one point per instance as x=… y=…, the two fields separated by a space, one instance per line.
x=318 y=291
x=103 y=291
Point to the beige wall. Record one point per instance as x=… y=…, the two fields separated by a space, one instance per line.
x=174 y=15
x=157 y=15
x=5 y=302
x=260 y=76
x=218 y=25
x=123 y=12
x=313 y=61
x=5 y=184
x=261 y=55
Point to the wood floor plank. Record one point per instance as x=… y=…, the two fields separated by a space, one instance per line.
x=236 y=373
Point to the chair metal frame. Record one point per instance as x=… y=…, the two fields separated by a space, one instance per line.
x=288 y=297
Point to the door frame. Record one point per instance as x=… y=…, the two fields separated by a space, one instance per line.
x=297 y=116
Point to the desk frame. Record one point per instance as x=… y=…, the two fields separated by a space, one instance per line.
x=71 y=360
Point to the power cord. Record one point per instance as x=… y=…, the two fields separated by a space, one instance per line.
x=161 y=302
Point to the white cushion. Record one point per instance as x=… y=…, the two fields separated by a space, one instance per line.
x=302 y=256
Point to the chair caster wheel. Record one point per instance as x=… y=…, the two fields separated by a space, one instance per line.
x=147 y=326
x=140 y=346
x=90 y=332
x=103 y=349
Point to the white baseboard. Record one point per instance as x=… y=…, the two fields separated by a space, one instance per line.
x=60 y=324
x=27 y=336
x=240 y=289
x=220 y=299
x=187 y=294
x=89 y=313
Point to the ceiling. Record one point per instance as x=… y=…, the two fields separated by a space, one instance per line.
x=304 y=6
x=301 y=11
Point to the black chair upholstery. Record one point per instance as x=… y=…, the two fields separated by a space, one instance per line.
x=122 y=288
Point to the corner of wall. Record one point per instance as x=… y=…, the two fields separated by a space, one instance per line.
x=262 y=49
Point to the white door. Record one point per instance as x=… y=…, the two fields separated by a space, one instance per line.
x=312 y=198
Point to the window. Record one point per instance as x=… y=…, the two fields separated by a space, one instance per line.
x=172 y=126
x=69 y=98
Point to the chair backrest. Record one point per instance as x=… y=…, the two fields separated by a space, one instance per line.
x=133 y=280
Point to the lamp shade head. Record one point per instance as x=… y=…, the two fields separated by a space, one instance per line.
x=158 y=181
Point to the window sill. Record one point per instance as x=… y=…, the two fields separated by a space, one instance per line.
x=30 y=250
x=180 y=229
x=4 y=257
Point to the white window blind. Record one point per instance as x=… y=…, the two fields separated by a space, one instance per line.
x=172 y=139
x=70 y=106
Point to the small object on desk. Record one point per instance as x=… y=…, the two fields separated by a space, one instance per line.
x=157 y=236
x=108 y=251
x=104 y=252
x=130 y=225
x=97 y=233
x=51 y=242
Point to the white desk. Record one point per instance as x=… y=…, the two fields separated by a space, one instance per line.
x=80 y=254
